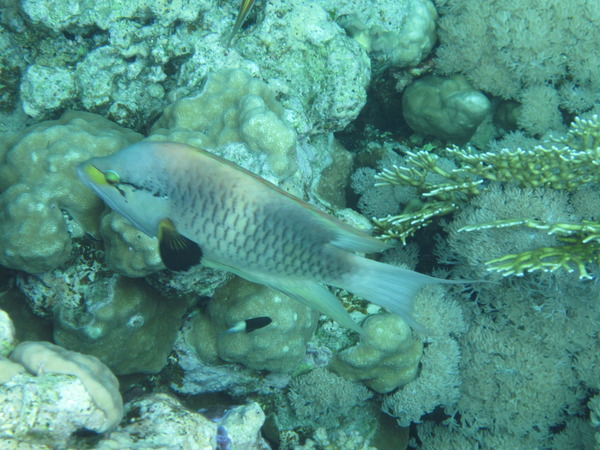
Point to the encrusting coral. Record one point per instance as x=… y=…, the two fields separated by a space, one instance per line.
x=396 y=33
x=118 y=321
x=43 y=358
x=127 y=250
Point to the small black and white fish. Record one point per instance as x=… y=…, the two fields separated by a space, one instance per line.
x=203 y=208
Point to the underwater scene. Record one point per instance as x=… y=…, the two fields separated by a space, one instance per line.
x=299 y=224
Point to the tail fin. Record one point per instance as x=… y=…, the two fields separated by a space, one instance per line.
x=391 y=287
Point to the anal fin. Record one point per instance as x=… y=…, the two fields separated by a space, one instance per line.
x=318 y=297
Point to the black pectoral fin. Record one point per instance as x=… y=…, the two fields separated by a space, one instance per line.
x=176 y=251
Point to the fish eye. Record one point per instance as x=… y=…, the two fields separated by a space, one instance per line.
x=112 y=177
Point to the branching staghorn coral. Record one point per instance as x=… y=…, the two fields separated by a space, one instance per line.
x=572 y=162
x=439 y=199
x=581 y=246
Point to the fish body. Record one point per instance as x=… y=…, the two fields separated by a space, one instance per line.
x=206 y=209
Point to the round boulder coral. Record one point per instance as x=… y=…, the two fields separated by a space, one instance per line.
x=278 y=347
x=386 y=357
x=40 y=193
x=235 y=107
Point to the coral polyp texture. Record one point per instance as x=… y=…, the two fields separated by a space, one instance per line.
x=541 y=55
x=387 y=356
x=42 y=204
x=235 y=107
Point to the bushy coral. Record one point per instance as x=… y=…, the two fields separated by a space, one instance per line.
x=523 y=51
x=321 y=398
x=499 y=203
x=439 y=381
x=562 y=165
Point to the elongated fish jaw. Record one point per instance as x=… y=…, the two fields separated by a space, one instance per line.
x=143 y=209
x=90 y=175
x=94 y=179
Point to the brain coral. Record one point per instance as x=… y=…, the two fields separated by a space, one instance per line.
x=39 y=192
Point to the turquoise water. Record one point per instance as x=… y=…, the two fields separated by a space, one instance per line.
x=463 y=133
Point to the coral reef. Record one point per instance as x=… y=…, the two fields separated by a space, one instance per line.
x=41 y=202
x=114 y=318
x=128 y=251
x=279 y=347
x=159 y=420
x=525 y=52
x=325 y=401
x=439 y=380
x=118 y=320
x=321 y=74
x=556 y=168
x=385 y=358
x=98 y=406
x=396 y=33
x=508 y=362
x=235 y=107
x=447 y=108
x=7 y=334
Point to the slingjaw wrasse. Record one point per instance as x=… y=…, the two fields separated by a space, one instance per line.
x=205 y=209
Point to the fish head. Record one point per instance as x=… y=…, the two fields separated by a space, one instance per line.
x=132 y=183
